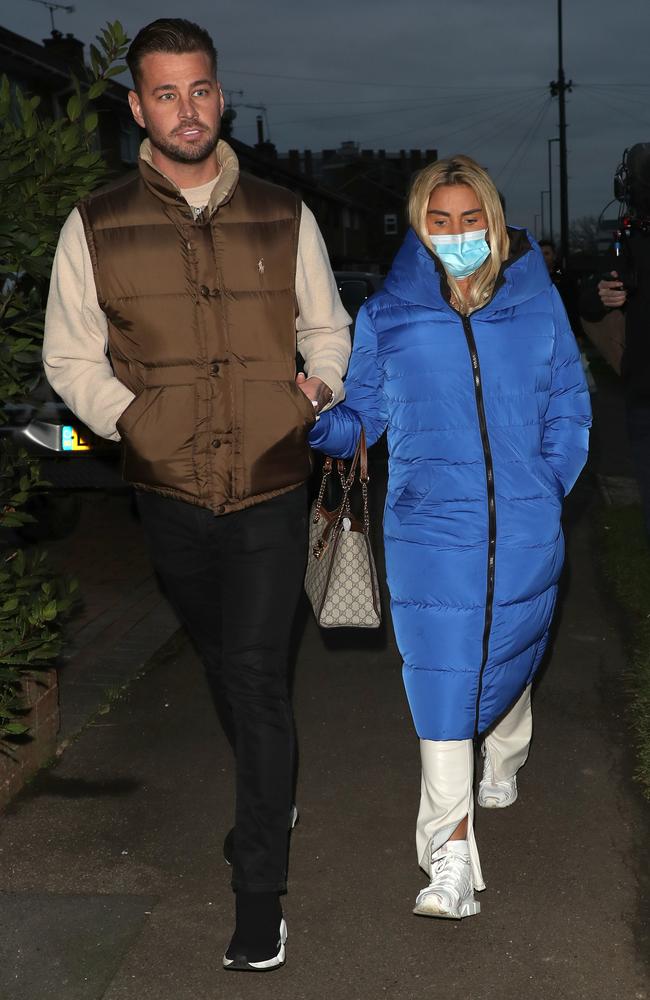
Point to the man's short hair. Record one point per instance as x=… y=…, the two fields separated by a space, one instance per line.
x=547 y=243
x=169 y=34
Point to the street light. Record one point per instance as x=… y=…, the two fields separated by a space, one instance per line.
x=541 y=205
x=550 y=188
x=536 y=225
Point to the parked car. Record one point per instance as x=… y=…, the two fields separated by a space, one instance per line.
x=71 y=459
x=355 y=287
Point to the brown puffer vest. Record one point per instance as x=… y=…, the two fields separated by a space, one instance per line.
x=202 y=328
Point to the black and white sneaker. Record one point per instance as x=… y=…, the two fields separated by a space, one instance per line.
x=229 y=840
x=237 y=961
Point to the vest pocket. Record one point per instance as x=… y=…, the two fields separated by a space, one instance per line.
x=276 y=418
x=158 y=431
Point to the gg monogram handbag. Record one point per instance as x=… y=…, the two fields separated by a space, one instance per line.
x=341 y=578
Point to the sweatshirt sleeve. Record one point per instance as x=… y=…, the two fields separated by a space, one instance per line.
x=336 y=432
x=322 y=325
x=75 y=344
x=568 y=417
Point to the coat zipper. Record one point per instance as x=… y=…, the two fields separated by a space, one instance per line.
x=492 y=515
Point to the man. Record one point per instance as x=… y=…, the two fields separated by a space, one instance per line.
x=194 y=279
x=564 y=284
x=627 y=288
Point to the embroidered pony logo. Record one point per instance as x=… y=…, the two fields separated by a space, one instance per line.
x=260 y=265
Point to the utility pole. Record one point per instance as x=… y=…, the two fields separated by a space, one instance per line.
x=559 y=88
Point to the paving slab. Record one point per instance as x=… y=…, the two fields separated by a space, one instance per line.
x=66 y=947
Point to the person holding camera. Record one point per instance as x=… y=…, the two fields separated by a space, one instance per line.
x=625 y=285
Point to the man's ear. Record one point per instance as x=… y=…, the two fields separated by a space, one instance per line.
x=136 y=108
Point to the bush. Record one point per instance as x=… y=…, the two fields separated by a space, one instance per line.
x=46 y=167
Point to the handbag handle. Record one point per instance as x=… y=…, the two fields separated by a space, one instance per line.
x=360 y=461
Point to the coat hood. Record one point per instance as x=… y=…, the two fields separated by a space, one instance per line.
x=416 y=275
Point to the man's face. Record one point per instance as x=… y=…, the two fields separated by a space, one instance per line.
x=179 y=103
x=548 y=254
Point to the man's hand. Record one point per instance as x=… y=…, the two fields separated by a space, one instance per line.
x=612 y=294
x=315 y=389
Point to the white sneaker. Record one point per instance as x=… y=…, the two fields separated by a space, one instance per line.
x=450 y=893
x=493 y=794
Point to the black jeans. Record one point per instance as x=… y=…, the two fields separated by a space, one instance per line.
x=235 y=582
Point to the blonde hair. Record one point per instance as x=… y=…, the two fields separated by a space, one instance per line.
x=464 y=170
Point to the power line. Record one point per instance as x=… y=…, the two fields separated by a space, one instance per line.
x=373 y=83
x=390 y=100
x=513 y=116
x=517 y=107
x=522 y=147
x=382 y=111
x=436 y=123
x=606 y=99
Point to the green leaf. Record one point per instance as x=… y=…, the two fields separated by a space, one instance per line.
x=97 y=89
x=114 y=71
x=50 y=611
x=90 y=121
x=98 y=63
x=15 y=728
x=73 y=107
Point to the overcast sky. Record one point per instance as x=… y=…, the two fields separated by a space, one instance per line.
x=462 y=76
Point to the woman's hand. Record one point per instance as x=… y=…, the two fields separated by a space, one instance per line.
x=612 y=293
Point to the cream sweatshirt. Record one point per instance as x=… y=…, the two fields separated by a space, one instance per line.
x=75 y=344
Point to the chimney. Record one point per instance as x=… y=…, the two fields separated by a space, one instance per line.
x=66 y=49
x=260 y=130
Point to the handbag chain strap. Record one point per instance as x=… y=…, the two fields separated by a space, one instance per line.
x=361 y=460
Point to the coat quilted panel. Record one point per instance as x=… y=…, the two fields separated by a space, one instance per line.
x=468 y=648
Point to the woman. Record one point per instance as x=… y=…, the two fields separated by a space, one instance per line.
x=466 y=356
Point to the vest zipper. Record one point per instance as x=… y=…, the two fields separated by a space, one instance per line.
x=492 y=515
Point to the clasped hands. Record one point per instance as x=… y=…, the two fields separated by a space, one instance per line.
x=314 y=389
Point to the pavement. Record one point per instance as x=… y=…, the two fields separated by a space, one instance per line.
x=112 y=884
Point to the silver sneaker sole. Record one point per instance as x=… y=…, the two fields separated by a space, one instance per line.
x=429 y=909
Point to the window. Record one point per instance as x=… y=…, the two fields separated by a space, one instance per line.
x=129 y=141
x=390 y=224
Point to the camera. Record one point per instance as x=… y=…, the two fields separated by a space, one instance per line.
x=632 y=190
x=632 y=184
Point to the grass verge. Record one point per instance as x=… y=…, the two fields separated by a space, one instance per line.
x=626 y=564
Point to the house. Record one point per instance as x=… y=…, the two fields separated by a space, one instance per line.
x=45 y=70
x=376 y=179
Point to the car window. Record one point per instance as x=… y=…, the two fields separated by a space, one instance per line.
x=353 y=292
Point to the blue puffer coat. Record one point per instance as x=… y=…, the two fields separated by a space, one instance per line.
x=487 y=421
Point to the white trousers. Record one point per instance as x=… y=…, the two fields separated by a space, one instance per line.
x=447 y=789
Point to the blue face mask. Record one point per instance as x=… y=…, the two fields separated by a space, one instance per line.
x=461 y=253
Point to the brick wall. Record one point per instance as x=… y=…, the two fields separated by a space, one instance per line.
x=42 y=697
